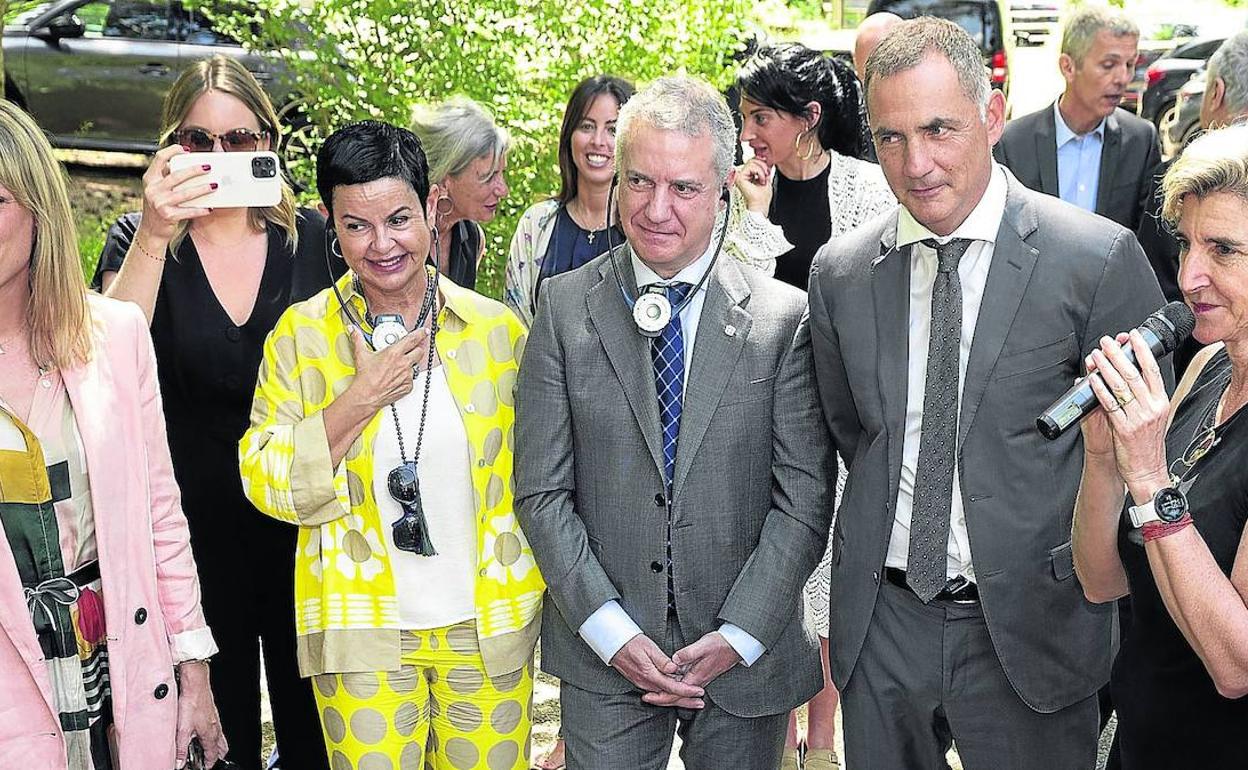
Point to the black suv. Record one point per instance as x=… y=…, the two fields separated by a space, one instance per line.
x=982 y=19
x=94 y=73
x=1165 y=76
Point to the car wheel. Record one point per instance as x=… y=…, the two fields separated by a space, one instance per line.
x=1164 y=112
x=297 y=145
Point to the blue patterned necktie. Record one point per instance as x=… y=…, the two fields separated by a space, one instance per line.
x=933 y=477
x=667 y=352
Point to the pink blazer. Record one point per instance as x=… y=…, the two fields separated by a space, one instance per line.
x=150 y=586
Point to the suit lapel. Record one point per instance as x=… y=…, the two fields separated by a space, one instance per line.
x=890 y=288
x=1109 y=164
x=722 y=330
x=1046 y=153
x=1013 y=261
x=627 y=350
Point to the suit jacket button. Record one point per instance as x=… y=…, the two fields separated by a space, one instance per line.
x=140 y=616
x=161 y=691
x=660 y=500
x=656 y=567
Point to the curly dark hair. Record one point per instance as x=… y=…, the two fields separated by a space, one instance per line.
x=788 y=76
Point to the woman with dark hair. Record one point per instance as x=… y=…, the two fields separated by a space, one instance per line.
x=212 y=282
x=565 y=232
x=803 y=116
x=382 y=429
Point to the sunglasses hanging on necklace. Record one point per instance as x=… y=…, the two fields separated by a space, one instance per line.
x=411 y=530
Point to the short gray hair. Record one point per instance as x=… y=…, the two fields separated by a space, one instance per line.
x=1087 y=22
x=455 y=133
x=907 y=44
x=1230 y=62
x=680 y=103
x=1215 y=162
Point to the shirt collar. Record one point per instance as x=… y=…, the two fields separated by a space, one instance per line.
x=1065 y=133
x=980 y=225
x=691 y=273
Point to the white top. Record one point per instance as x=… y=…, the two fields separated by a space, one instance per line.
x=981 y=226
x=433 y=591
x=609 y=627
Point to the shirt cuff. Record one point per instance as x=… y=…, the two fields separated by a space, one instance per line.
x=608 y=629
x=749 y=648
x=196 y=644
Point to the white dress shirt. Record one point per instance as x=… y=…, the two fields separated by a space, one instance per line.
x=980 y=226
x=609 y=627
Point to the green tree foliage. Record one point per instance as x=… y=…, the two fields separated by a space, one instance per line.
x=377 y=58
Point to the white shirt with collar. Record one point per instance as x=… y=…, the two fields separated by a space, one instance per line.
x=981 y=226
x=609 y=627
x=1078 y=161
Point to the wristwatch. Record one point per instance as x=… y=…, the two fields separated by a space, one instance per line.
x=1168 y=505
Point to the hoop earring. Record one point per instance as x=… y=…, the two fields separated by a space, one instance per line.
x=335 y=247
x=797 y=146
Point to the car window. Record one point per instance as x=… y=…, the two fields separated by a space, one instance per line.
x=132 y=19
x=194 y=28
x=979 y=19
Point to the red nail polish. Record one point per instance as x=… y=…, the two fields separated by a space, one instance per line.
x=213 y=185
x=207 y=167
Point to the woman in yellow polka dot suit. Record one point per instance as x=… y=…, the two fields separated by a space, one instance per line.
x=417 y=597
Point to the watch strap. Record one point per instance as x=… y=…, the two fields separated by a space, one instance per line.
x=1143 y=514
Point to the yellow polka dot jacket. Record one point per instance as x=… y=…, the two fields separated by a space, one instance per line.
x=346 y=612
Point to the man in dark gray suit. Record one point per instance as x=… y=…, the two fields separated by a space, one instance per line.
x=1084 y=148
x=941 y=330
x=675 y=486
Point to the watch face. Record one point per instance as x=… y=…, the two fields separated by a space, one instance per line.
x=1170 y=504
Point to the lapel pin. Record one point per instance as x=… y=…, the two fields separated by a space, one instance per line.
x=730 y=330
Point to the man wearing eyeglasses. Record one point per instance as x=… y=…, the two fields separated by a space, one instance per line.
x=672 y=475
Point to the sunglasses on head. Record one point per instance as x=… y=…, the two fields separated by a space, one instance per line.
x=234 y=140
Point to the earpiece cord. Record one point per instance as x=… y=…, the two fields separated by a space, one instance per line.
x=631 y=301
x=427 y=305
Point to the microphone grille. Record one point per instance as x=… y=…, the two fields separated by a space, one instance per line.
x=1172 y=324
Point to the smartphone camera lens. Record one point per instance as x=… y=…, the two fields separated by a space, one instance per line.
x=263 y=167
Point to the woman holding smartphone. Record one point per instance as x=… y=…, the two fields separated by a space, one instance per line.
x=212 y=284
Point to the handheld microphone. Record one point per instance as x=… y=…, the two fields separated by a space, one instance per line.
x=1164 y=330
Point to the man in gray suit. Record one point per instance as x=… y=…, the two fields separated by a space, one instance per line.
x=1084 y=148
x=675 y=487
x=941 y=330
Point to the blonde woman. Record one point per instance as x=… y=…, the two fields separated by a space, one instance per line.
x=467 y=154
x=213 y=284
x=103 y=643
x=418 y=596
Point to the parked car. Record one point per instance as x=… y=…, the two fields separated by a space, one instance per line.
x=1034 y=20
x=94 y=73
x=1166 y=76
x=985 y=20
x=1149 y=52
x=1182 y=122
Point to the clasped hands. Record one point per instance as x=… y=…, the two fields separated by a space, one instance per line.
x=678 y=681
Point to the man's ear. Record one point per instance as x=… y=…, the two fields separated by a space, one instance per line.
x=1067 y=66
x=320 y=206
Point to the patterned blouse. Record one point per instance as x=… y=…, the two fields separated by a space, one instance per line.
x=345 y=594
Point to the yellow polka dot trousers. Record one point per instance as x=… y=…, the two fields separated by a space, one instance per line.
x=439 y=710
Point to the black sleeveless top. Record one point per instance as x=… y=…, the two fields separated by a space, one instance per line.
x=1170 y=715
x=465 y=246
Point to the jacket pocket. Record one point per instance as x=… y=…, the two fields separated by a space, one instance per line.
x=1016 y=364
x=1063 y=560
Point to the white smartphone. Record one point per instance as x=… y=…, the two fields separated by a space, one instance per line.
x=244 y=179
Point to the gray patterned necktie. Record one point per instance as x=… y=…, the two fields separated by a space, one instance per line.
x=933 y=483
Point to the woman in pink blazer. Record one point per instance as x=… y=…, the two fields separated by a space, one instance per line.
x=103 y=645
